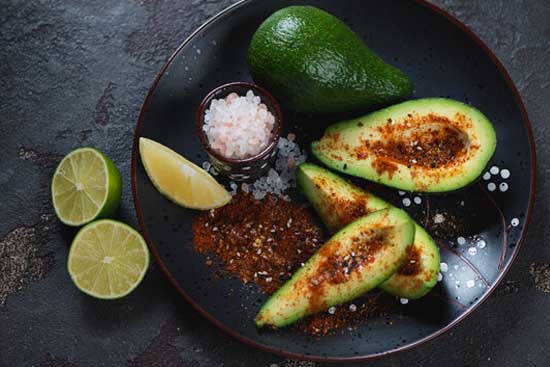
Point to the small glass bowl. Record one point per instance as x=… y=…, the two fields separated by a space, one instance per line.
x=248 y=168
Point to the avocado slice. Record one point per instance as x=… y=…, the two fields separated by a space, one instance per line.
x=339 y=202
x=314 y=63
x=430 y=145
x=355 y=260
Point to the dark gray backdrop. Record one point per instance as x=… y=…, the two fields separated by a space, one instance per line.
x=75 y=73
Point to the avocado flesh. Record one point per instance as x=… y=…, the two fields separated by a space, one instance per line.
x=339 y=202
x=355 y=260
x=312 y=62
x=426 y=145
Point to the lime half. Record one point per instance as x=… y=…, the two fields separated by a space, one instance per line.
x=108 y=259
x=86 y=185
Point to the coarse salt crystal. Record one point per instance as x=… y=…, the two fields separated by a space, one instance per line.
x=237 y=126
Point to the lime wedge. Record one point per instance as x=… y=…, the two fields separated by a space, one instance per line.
x=180 y=180
x=108 y=259
x=86 y=185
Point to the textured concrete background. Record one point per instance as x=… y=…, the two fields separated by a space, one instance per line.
x=75 y=73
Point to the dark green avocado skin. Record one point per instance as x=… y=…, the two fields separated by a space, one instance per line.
x=314 y=63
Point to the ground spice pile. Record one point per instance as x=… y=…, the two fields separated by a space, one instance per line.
x=261 y=241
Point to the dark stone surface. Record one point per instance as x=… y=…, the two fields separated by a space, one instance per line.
x=75 y=73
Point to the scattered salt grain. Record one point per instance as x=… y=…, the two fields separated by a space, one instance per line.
x=472 y=251
x=404 y=301
x=352 y=307
x=491 y=186
x=494 y=170
x=505 y=173
x=487 y=176
x=238 y=126
x=481 y=244
x=471 y=283
x=332 y=310
x=503 y=187
x=406 y=202
x=282 y=176
x=439 y=277
x=206 y=165
x=444 y=267
x=514 y=222
x=461 y=240
x=401 y=193
x=417 y=200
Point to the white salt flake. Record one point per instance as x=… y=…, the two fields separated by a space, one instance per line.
x=401 y=193
x=439 y=277
x=505 y=173
x=417 y=200
x=486 y=176
x=352 y=307
x=444 y=267
x=503 y=187
x=471 y=283
x=514 y=222
x=332 y=310
x=406 y=202
x=461 y=240
x=494 y=170
x=491 y=186
x=404 y=301
x=481 y=243
x=472 y=251
x=206 y=165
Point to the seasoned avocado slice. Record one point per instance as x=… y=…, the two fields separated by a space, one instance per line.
x=313 y=62
x=339 y=202
x=355 y=260
x=431 y=145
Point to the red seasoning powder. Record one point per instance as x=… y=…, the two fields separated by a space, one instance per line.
x=261 y=241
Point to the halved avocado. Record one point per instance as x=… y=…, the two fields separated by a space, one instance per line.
x=430 y=145
x=339 y=202
x=355 y=260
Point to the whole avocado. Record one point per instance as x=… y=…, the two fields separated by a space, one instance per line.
x=314 y=63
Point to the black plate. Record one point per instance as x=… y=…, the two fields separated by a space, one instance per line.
x=444 y=59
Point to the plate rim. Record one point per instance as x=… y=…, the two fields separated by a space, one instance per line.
x=281 y=352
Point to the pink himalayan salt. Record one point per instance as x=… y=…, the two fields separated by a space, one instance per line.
x=238 y=126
